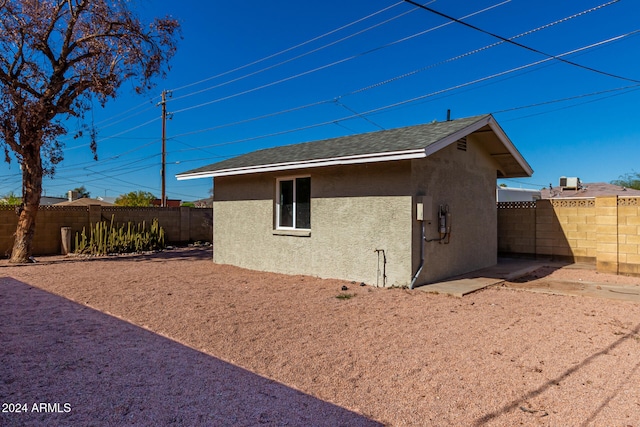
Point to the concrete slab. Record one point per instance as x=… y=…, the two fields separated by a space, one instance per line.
x=461 y=287
x=588 y=289
x=506 y=269
x=509 y=269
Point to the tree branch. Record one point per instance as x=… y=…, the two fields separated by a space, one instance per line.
x=9 y=136
x=68 y=45
x=18 y=57
x=44 y=45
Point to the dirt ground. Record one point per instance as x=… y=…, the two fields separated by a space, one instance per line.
x=174 y=339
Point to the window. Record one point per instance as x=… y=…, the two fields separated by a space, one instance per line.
x=293 y=204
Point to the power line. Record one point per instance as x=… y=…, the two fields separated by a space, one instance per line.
x=106 y=138
x=332 y=64
x=124 y=167
x=357 y=115
x=486 y=47
x=292 y=59
x=523 y=183
x=337 y=101
x=264 y=116
x=111 y=122
x=506 y=40
x=290 y=48
x=192 y=146
x=396 y=78
x=569 y=98
x=625 y=90
x=116 y=156
x=285 y=79
x=512 y=70
x=134 y=184
x=425 y=96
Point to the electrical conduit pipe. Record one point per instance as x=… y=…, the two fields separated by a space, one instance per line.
x=422 y=240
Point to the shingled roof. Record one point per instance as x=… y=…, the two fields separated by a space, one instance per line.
x=396 y=144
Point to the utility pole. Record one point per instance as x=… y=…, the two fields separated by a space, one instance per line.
x=163 y=172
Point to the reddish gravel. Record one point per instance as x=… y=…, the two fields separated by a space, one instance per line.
x=174 y=339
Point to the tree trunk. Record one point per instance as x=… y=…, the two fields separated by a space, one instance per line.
x=31 y=192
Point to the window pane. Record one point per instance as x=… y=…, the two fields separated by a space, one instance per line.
x=286 y=204
x=303 y=203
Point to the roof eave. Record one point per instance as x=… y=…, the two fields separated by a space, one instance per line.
x=511 y=148
x=526 y=170
x=334 y=161
x=495 y=127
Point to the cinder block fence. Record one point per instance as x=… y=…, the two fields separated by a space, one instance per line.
x=601 y=230
x=183 y=224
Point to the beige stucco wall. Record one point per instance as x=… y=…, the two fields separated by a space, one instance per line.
x=360 y=208
x=354 y=211
x=465 y=181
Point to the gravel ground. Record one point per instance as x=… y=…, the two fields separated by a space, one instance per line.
x=174 y=339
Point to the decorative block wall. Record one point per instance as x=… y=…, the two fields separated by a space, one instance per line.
x=602 y=230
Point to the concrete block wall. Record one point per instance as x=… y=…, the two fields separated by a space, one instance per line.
x=548 y=231
x=574 y=235
x=517 y=228
x=180 y=224
x=168 y=218
x=47 y=238
x=602 y=230
x=629 y=236
x=201 y=224
x=607 y=234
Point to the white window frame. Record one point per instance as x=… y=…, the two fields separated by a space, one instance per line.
x=277 y=204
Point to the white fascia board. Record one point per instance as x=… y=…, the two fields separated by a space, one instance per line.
x=335 y=161
x=495 y=127
x=444 y=142
x=510 y=147
x=184 y=177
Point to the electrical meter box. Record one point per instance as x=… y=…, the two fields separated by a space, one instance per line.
x=424 y=208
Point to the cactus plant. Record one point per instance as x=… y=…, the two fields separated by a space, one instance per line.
x=109 y=238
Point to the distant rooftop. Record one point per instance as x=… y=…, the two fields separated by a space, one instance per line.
x=593 y=189
x=85 y=201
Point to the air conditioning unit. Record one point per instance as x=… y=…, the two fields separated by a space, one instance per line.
x=569 y=183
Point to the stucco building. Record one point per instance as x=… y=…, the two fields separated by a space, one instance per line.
x=399 y=207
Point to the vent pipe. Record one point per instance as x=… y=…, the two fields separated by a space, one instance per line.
x=448 y=115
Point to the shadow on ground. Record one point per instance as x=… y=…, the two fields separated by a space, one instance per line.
x=191 y=253
x=518 y=403
x=518 y=268
x=94 y=369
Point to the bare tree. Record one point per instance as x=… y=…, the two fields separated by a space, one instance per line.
x=55 y=57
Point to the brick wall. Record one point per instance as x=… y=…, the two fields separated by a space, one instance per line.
x=602 y=230
x=182 y=224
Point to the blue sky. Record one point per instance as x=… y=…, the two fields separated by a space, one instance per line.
x=251 y=75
